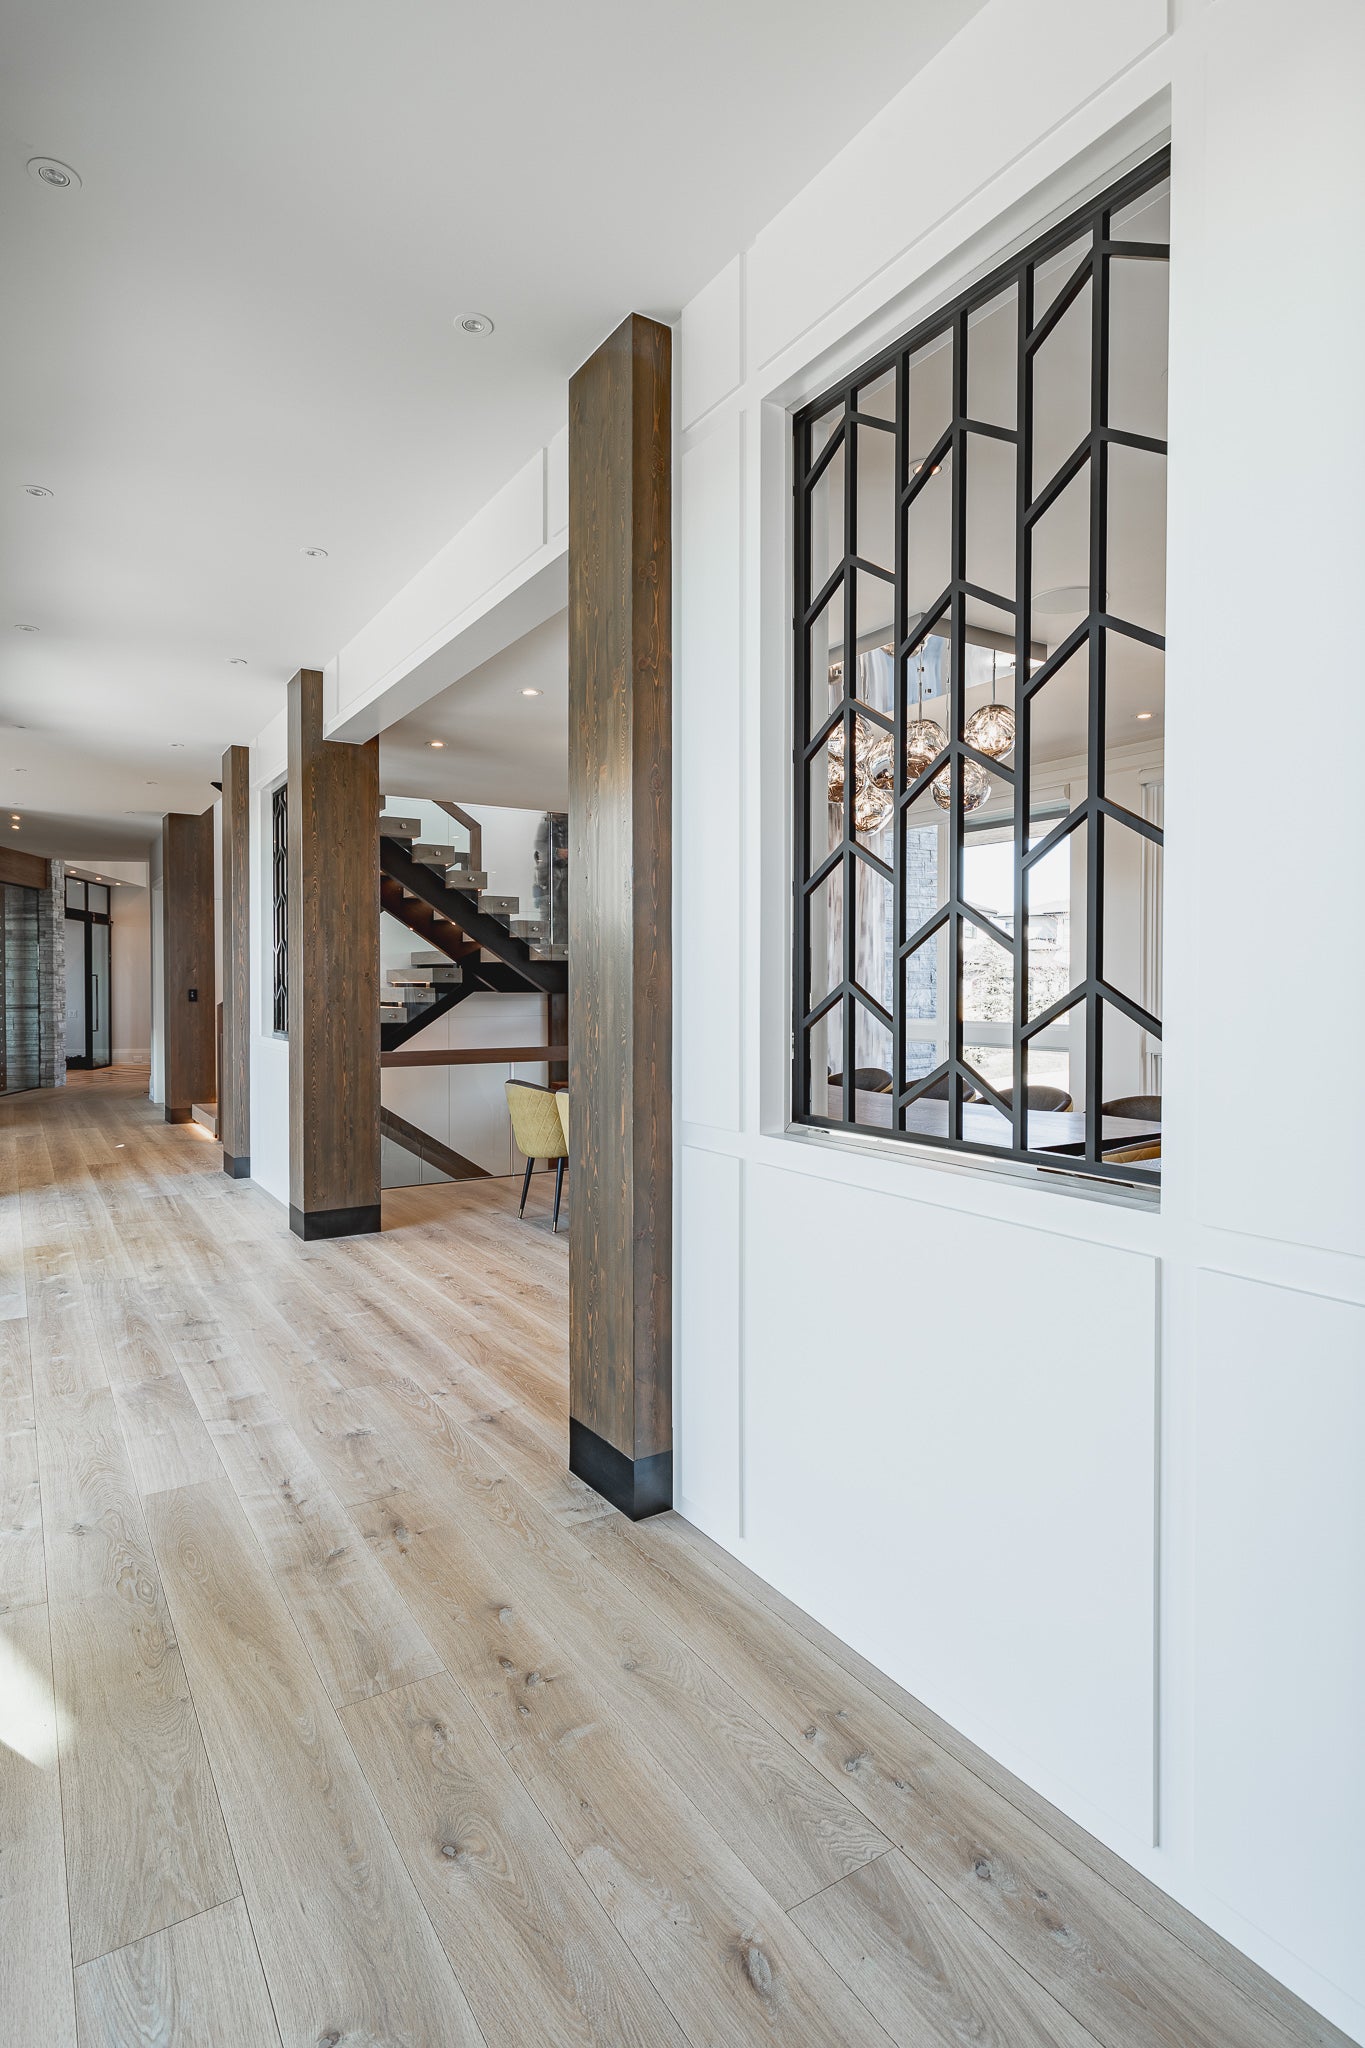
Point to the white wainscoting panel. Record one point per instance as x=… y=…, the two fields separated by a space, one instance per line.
x=1279 y=1710
x=950 y=1439
x=707 y=1421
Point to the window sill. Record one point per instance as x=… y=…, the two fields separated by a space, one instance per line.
x=1076 y=1186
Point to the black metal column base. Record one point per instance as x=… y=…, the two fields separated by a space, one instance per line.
x=311 y=1223
x=637 y=1486
x=178 y=1116
x=238 y=1169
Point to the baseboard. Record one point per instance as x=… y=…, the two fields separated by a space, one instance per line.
x=313 y=1223
x=637 y=1486
x=178 y=1116
x=238 y=1168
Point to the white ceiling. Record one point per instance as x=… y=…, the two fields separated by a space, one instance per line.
x=499 y=747
x=235 y=340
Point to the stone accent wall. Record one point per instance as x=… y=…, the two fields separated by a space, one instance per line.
x=52 y=978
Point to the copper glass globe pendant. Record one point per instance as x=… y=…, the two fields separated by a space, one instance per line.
x=990 y=729
x=975 y=787
x=925 y=739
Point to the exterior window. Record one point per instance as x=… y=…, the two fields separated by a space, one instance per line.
x=279 y=888
x=979 y=669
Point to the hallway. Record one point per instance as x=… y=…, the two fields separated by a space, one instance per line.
x=334 y=1710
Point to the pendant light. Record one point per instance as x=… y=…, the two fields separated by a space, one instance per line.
x=990 y=729
x=925 y=739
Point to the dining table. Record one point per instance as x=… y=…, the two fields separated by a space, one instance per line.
x=1047 y=1130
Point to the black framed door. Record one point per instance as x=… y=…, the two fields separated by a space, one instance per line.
x=89 y=959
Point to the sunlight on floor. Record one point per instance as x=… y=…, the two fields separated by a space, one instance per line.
x=29 y=1718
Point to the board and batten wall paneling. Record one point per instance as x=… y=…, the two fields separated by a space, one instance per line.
x=333 y=974
x=187 y=926
x=234 y=1079
x=620 y=851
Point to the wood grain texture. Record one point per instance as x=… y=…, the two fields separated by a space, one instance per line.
x=495 y=1881
x=347 y=1952
x=917 y=1965
x=168 y=1444
x=25 y=870
x=187 y=940
x=145 y=1843
x=620 y=1056
x=727 y=1960
x=359 y=1634
x=333 y=962
x=195 y=1985
x=234 y=1080
x=666 y=1789
x=36 y=2007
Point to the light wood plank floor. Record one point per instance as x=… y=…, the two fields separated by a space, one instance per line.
x=333 y=1711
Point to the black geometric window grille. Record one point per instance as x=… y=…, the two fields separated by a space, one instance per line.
x=952 y=1104
x=279 y=904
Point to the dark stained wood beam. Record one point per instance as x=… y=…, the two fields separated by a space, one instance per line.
x=190 y=1028
x=234 y=1063
x=333 y=974
x=620 y=988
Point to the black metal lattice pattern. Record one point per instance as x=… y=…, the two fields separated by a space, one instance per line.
x=860 y=585
x=279 y=905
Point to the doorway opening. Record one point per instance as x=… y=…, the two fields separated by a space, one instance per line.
x=89 y=944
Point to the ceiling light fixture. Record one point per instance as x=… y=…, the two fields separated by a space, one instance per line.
x=37 y=491
x=24 y=629
x=533 y=693
x=175 y=744
x=315 y=554
x=474 y=323
x=435 y=743
x=236 y=661
x=1142 y=715
x=60 y=177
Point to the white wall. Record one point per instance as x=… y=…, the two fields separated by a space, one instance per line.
x=1082 y=1475
x=131 y=962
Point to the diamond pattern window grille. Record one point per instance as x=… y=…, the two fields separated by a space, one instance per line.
x=875 y=645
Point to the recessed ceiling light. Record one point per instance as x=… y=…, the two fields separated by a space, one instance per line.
x=533 y=693
x=48 y=171
x=176 y=743
x=1144 y=714
x=151 y=785
x=435 y=743
x=315 y=554
x=24 y=629
x=37 y=491
x=236 y=661
x=14 y=828
x=474 y=323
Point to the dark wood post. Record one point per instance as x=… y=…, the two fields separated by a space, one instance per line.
x=333 y=974
x=187 y=956
x=620 y=968
x=234 y=1064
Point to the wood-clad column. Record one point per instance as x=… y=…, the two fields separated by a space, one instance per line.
x=234 y=1066
x=187 y=941
x=620 y=969
x=333 y=974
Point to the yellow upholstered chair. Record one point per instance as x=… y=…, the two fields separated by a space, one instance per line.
x=540 y=1133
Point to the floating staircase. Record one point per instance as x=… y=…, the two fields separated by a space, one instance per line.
x=475 y=939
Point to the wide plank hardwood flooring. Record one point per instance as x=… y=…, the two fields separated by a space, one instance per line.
x=333 y=1710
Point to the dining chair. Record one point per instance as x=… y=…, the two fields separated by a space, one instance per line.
x=1143 y=1108
x=1129 y=1153
x=872 y=1080
x=540 y=1129
x=1039 y=1097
